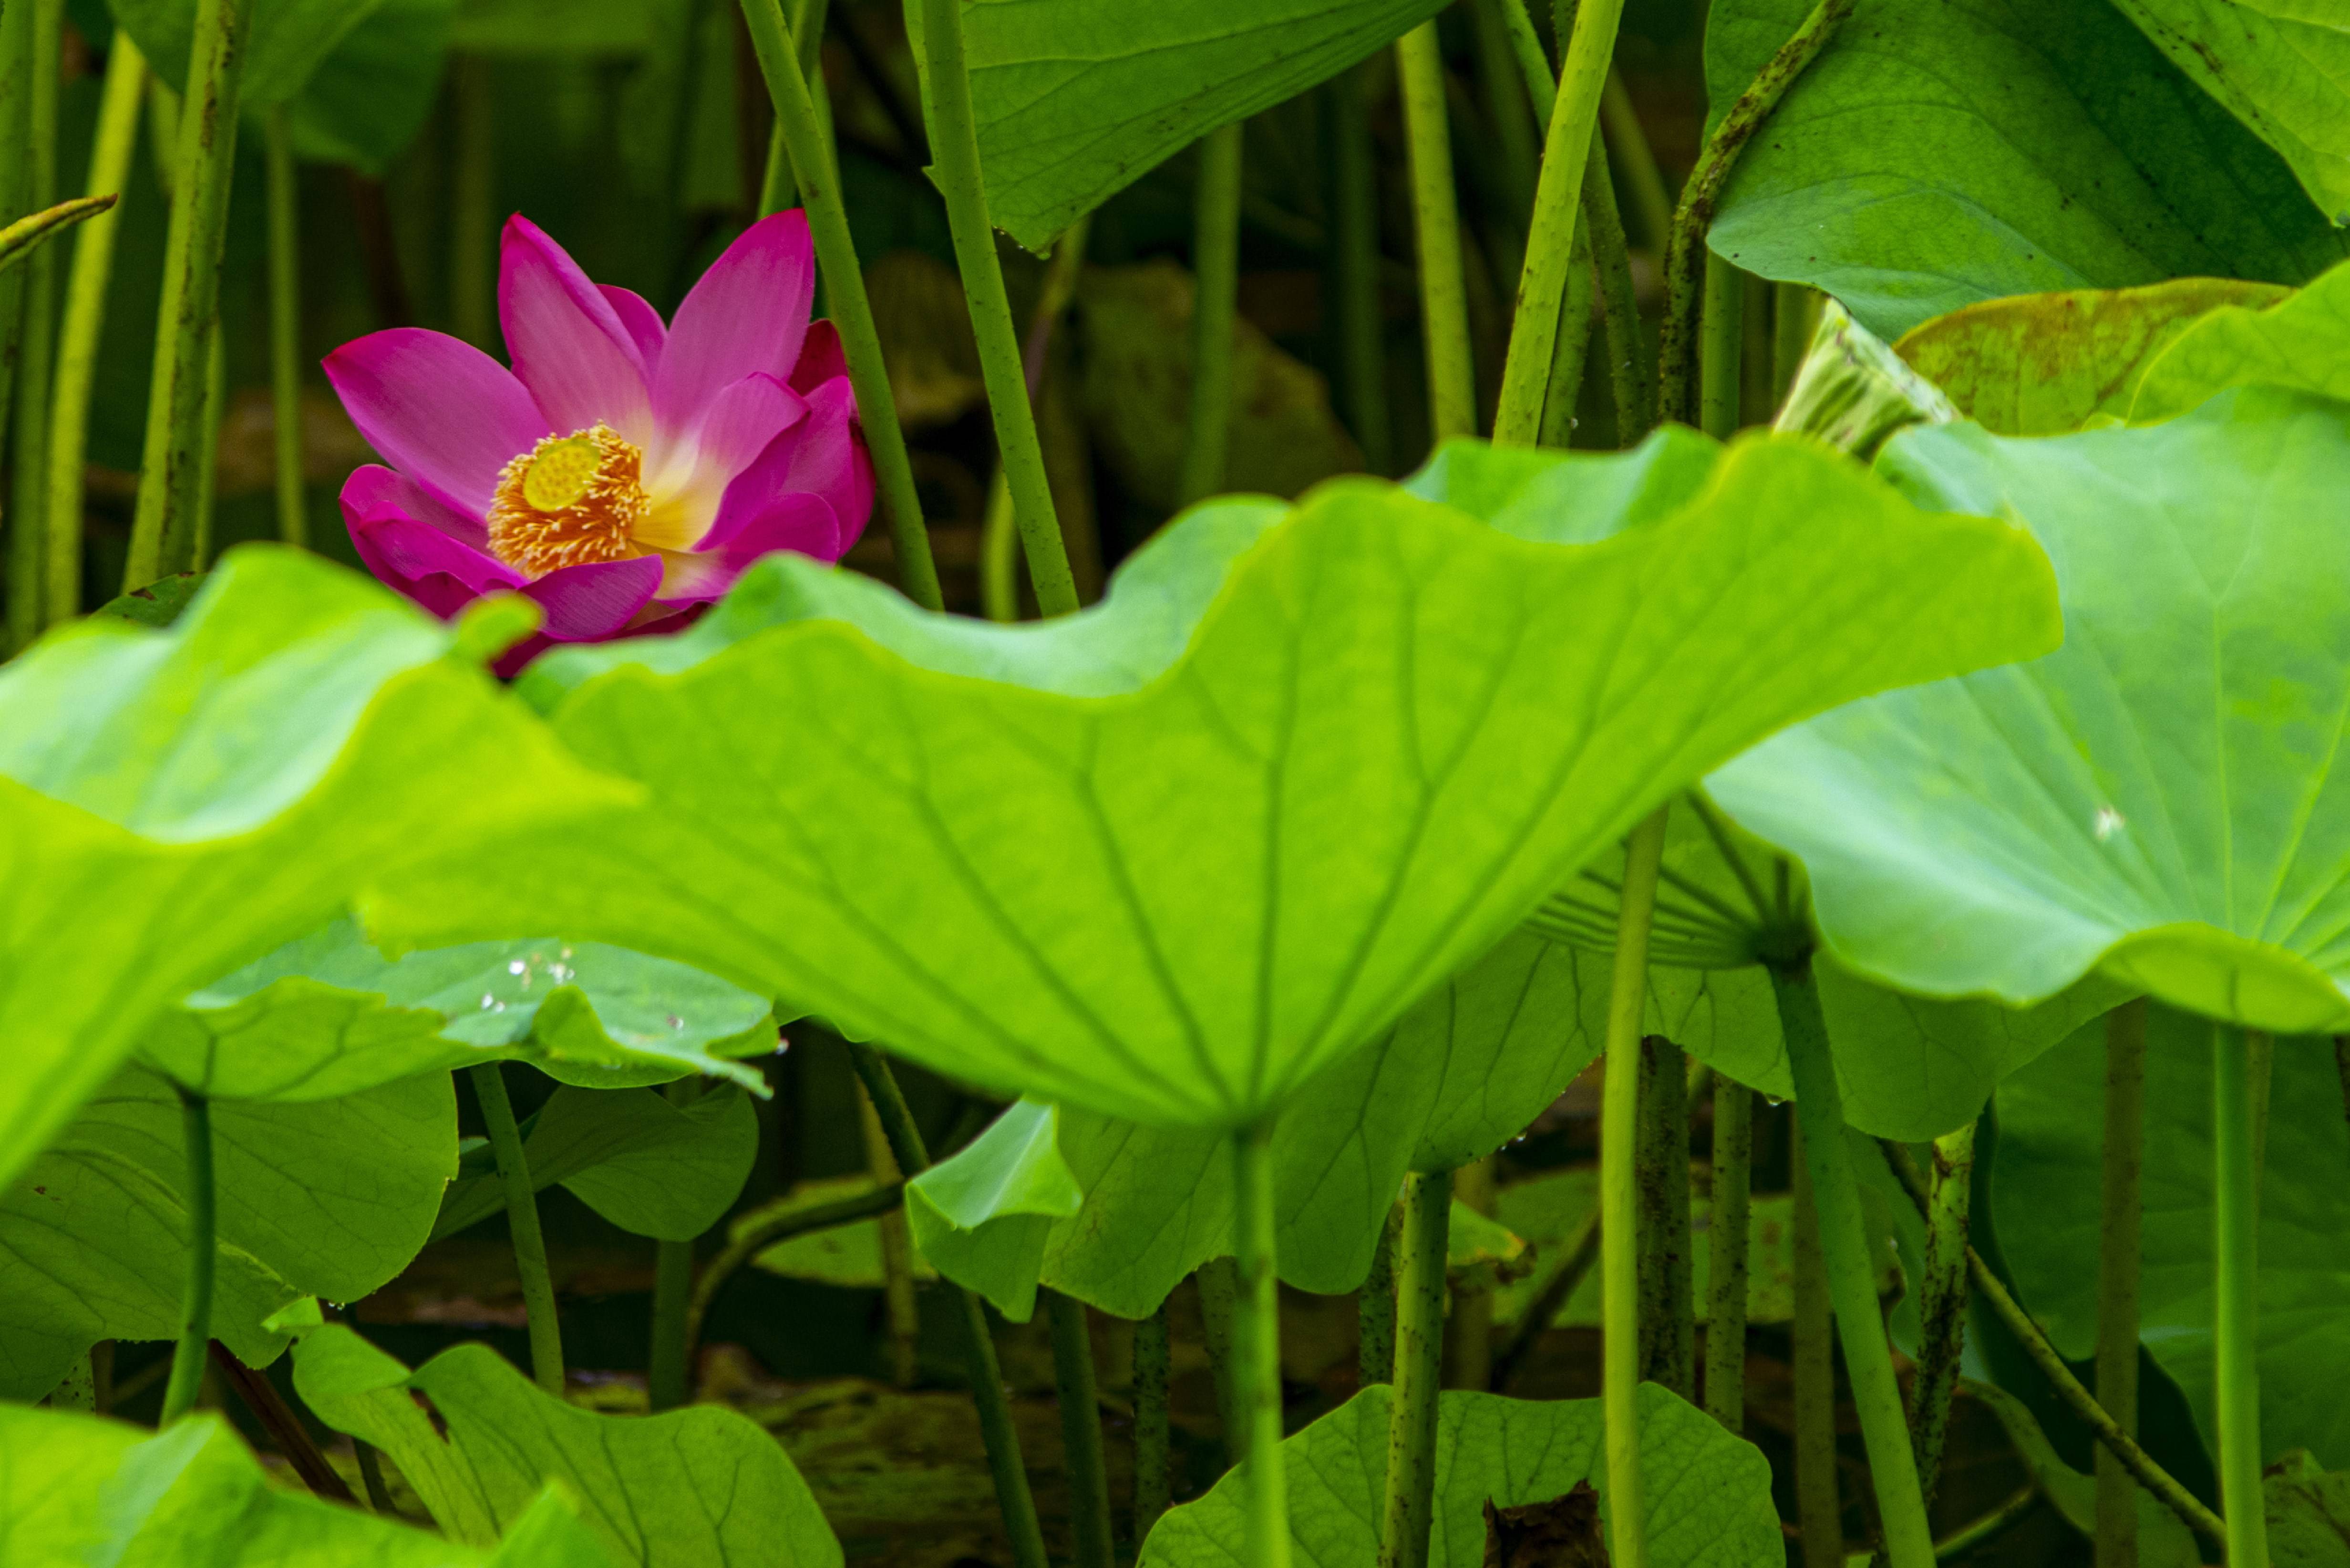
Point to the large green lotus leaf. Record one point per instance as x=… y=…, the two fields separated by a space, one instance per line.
x=329 y=1015
x=1117 y=1214
x=365 y=100
x=699 y=1488
x=174 y=803
x=1705 y=1494
x=1938 y=153
x=2281 y=66
x=1166 y=859
x=1076 y=100
x=649 y=1166
x=79 y=1490
x=2301 y=341
x=2050 y=1141
x=2308 y=1510
x=328 y=1199
x=285 y=42
x=2043 y=364
x=2155 y=799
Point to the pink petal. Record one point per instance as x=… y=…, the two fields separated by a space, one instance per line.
x=569 y=347
x=740 y=422
x=440 y=411
x=748 y=315
x=799 y=522
x=590 y=602
x=373 y=493
x=821 y=357
x=413 y=557
x=641 y=320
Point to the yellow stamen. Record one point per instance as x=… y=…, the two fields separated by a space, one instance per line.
x=568 y=500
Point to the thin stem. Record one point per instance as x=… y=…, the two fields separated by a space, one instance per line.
x=1152 y=1425
x=669 y=1376
x=900 y=1307
x=1081 y=1438
x=1852 y=1285
x=1791 y=336
x=1611 y=262
x=2079 y=1399
x=813 y=169
x=193 y=551
x=2120 y=1213
x=379 y=1495
x=1550 y=242
x=28 y=532
x=285 y=331
x=1619 y=1195
x=1941 y=1305
x=1719 y=360
x=756 y=1237
x=285 y=1428
x=1469 y=1322
x=1000 y=1436
x=1443 y=282
x=1991 y=1525
x=521 y=1221
x=17 y=74
x=204 y=1253
x=162 y=133
x=1256 y=1347
x=1375 y=1307
x=1694 y=215
x=1819 y=1508
x=83 y=324
x=954 y=152
x=474 y=203
x=20 y=239
x=1359 y=320
x=1410 y=1508
x=171 y=470
x=1631 y=143
x=2235 y=1095
x=1219 y=1286
x=1728 y=1231
x=1667 y=1309
x=999 y=571
x=1215 y=266
x=1512 y=132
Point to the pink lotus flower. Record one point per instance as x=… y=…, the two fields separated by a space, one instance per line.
x=623 y=472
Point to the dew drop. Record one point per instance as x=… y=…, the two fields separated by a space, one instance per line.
x=517 y=967
x=675 y=1021
x=488 y=1002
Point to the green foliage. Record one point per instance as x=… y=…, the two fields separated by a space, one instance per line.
x=1852 y=392
x=2043 y=364
x=75 y=1488
x=1076 y=99
x=2163 y=1540
x=288 y=39
x=985 y=1217
x=701 y=1486
x=1256 y=816
x=175 y=804
x=329 y=1014
x=2308 y=1509
x=2044 y=1207
x=2302 y=341
x=1705 y=1493
x=649 y=1166
x=330 y=1198
x=365 y=100
x=1938 y=154
x=2156 y=800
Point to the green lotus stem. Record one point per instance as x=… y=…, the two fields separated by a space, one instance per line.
x=798 y=124
x=1219 y=1287
x=1619 y=1194
x=1991 y=1525
x=1354 y=269
x=162 y=131
x=193 y=551
x=1081 y=1437
x=1693 y=217
x=670 y=1357
x=954 y=152
x=1630 y=144
x=1408 y=1510
x=1667 y=1309
x=1550 y=242
x=996 y=1431
x=16 y=77
x=2120 y=1211
x=170 y=470
x=1611 y=261
x=1792 y=325
x=776 y=188
x=1513 y=138
x=1443 y=282
x=188 y=1356
x=1720 y=355
x=756 y=1237
x=1375 y=1307
x=1216 y=269
x=2235 y=1066
x=1256 y=1347
x=285 y=331
x=1852 y=1285
x=2079 y=1399
x=1533 y=65
x=999 y=571
x=20 y=239
x=379 y=1495
x=1730 y=1236
x=473 y=203
x=1819 y=1506
x=521 y=1221
x=84 y=322
x=1152 y=1426
x=36 y=341
x=1941 y=1305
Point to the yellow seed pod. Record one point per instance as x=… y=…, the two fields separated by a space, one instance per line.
x=560 y=473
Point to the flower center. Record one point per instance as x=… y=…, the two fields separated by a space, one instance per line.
x=569 y=500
